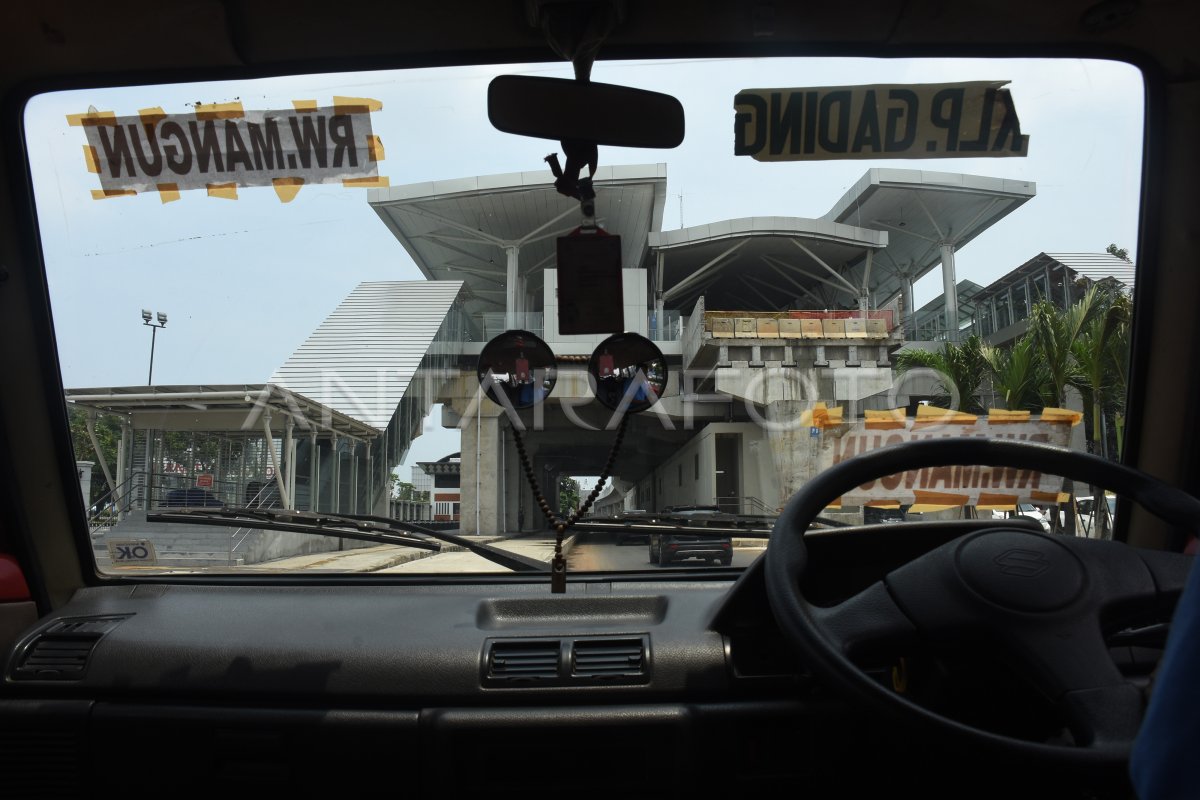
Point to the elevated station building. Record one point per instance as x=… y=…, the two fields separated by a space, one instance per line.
x=759 y=319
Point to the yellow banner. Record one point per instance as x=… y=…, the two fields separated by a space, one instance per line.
x=945 y=487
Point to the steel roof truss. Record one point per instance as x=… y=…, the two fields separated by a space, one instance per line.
x=679 y=288
x=853 y=289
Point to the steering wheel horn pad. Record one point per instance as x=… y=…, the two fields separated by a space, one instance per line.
x=1020 y=570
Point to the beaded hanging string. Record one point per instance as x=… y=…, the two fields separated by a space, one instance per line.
x=558 y=566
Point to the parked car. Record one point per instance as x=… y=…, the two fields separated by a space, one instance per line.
x=667 y=548
x=873 y=515
x=1028 y=510
x=630 y=517
x=191 y=497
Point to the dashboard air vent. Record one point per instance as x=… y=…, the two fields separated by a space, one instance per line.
x=618 y=660
x=62 y=651
x=514 y=661
x=57 y=657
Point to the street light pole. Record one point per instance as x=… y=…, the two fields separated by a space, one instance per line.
x=147 y=316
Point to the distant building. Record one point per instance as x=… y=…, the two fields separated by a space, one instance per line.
x=446 y=494
x=421 y=480
x=1002 y=309
x=929 y=323
x=999 y=312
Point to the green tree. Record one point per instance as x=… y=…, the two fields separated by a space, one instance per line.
x=1017 y=376
x=1097 y=373
x=1100 y=381
x=1054 y=332
x=568 y=494
x=1119 y=252
x=1086 y=347
x=108 y=434
x=403 y=490
x=1120 y=346
x=961 y=369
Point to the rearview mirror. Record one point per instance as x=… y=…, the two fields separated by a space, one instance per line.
x=558 y=109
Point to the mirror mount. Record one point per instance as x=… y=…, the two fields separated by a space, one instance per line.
x=575 y=29
x=568 y=182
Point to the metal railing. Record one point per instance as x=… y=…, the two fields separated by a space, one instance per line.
x=668 y=328
x=145 y=491
x=747 y=505
x=239 y=537
x=494 y=323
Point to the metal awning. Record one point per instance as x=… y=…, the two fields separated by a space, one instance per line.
x=1095 y=266
x=922 y=210
x=224 y=408
x=463 y=229
x=764 y=263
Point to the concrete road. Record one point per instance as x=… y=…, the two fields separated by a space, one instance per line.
x=600 y=552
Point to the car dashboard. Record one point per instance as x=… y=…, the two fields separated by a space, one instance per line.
x=651 y=683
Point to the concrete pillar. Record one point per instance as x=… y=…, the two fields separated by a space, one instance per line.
x=909 y=308
x=529 y=516
x=949 y=282
x=479 y=475
x=289 y=460
x=354 y=477
x=513 y=480
x=335 y=495
x=512 y=288
x=658 y=292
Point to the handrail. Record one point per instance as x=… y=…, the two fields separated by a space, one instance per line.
x=234 y=542
x=114 y=504
x=747 y=501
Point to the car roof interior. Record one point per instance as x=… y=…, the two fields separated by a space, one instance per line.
x=365 y=673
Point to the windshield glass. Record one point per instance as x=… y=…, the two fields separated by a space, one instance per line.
x=273 y=296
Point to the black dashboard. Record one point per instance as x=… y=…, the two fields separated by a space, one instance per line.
x=672 y=686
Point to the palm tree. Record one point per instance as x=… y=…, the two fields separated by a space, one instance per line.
x=1120 y=346
x=960 y=368
x=1054 y=332
x=1017 y=374
x=1097 y=374
x=1075 y=348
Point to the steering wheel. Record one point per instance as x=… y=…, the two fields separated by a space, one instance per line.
x=1043 y=600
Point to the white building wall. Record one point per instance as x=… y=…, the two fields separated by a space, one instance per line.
x=758 y=479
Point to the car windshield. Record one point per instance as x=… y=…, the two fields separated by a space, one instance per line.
x=273 y=300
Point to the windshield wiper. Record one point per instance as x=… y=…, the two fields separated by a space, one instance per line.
x=671 y=527
x=348 y=526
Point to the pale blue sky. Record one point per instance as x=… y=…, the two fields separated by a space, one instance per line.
x=245 y=281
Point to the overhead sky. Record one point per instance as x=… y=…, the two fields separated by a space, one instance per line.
x=244 y=282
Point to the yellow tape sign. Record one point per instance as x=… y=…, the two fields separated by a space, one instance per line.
x=953 y=485
x=924 y=120
x=221 y=147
